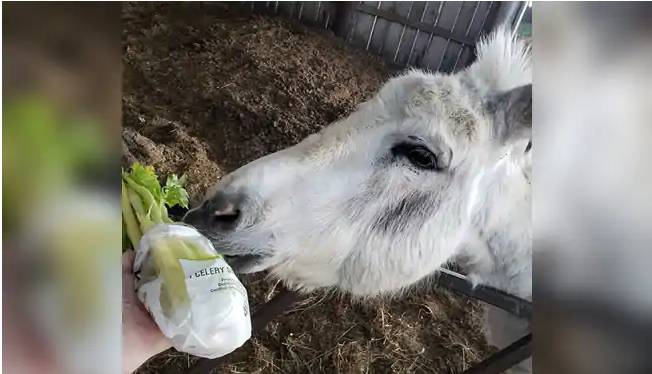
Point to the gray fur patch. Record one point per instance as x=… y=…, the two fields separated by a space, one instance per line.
x=413 y=209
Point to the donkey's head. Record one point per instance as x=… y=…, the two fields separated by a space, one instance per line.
x=380 y=199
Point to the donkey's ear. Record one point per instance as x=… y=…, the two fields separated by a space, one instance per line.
x=514 y=115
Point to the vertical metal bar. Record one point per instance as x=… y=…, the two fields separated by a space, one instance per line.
x=468 y=30
x=276 y=7
x=507 y=13
x=381 y=48
x=252 y=6
x=441 y=6
x=317 y=14
x=519 y=18
x=448 y=40
x=373 y=26
x=416 y=35
x=328 y=18
x=398 y=47
x=300 y=10
x=482 y=26
x=355 y=24
x=484 y=21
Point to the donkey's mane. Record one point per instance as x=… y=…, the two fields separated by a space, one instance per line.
x=503 y=63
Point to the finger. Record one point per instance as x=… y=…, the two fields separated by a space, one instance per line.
x=128 y=261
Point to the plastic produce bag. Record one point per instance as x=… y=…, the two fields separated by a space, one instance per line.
x=192 y=293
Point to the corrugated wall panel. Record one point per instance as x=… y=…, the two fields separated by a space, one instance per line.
x=432 y=35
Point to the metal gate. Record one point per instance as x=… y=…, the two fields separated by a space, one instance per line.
x=432 y=35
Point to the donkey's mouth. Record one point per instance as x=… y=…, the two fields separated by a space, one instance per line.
x=244 y=264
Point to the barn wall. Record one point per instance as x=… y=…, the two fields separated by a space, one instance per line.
x=433 y=35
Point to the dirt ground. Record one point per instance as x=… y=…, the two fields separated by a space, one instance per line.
x=207 y=90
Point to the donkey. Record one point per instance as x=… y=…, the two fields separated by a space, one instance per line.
x=434 y=168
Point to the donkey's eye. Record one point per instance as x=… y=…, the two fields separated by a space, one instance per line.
x=418 y=155
x=422 y=157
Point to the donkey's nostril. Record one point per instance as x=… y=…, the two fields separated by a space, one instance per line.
x=226 y=217
x=222 y=212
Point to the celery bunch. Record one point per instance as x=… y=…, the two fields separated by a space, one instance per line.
x=144 y=201
x=144 y=204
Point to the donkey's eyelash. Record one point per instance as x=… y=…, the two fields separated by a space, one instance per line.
x=401 y=149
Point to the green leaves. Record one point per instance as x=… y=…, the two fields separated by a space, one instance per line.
x=174 y=193
x=146 y=177
x=144 y=200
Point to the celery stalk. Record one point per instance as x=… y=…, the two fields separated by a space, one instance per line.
x=139 y=210
x=164 y=214
x=152 y=205
x=173 y=277
x=131 y=224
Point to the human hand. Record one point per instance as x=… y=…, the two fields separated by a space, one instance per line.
x=141 y=337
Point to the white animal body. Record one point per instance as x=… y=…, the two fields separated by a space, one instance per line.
x=434 y=168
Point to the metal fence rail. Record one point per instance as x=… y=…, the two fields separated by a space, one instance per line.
x=433 y=35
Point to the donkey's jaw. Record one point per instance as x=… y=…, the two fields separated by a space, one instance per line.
x=245 y=264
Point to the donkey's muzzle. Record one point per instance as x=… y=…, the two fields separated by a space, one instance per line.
x=220 y=214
